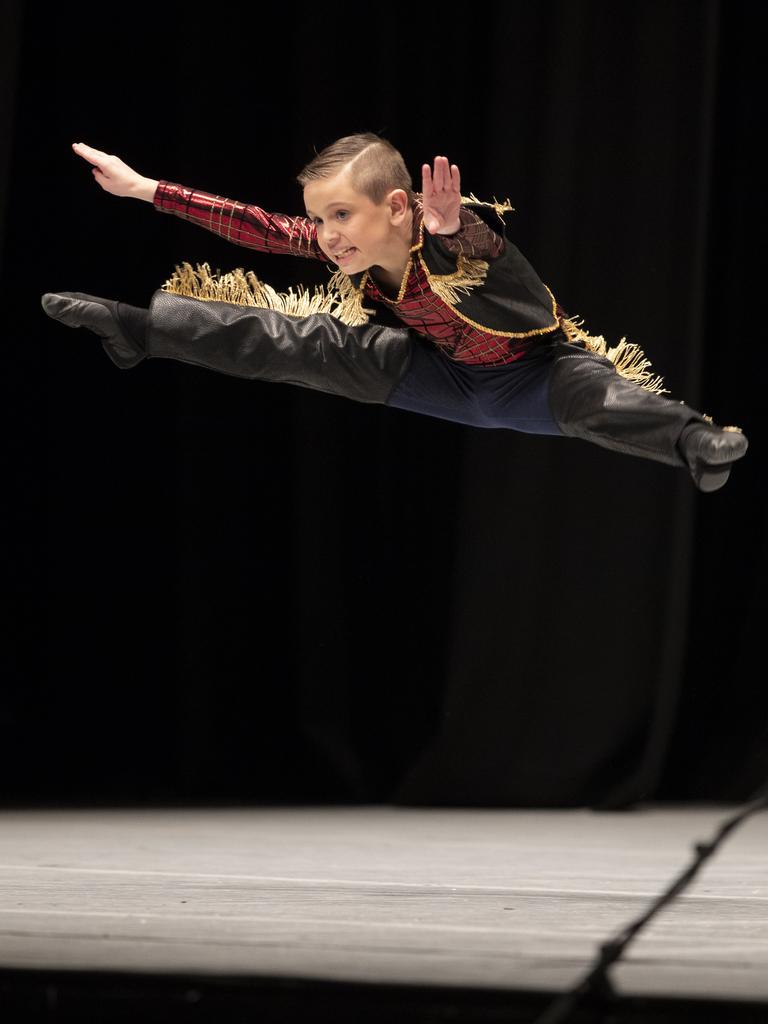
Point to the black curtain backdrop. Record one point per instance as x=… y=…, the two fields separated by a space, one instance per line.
x=245 y=591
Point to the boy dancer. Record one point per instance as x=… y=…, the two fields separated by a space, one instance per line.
x=486 y=343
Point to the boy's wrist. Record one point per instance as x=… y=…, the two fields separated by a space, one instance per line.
x=145 y=189
x=451 y=230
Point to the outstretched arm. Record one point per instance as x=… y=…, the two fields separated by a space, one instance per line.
x=241 y=223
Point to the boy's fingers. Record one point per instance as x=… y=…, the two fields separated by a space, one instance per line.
x=88 y=151
x=444 y=172
x=437 y=178
x=445 y=175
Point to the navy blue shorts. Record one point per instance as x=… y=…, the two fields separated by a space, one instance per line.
x=514 y=396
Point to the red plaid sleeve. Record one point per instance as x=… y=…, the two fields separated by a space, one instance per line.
x=241 y=223
x=474 y=237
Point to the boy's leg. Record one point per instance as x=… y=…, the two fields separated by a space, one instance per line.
x=317 y=351
x=590 y=399
x=512 y=396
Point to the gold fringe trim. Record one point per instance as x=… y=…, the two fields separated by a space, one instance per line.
x=469 y=273
x=498 y=206
x=242 y=288
x=351 y=309
x=628 y=359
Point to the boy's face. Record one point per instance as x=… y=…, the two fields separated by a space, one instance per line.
x=347 y=219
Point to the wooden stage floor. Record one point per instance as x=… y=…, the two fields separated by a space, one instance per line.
x=497 y=898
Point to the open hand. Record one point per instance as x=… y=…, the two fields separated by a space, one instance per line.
x=110 y=172
x=441 y=195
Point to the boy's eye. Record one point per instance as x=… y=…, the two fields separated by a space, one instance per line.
x=338 y=213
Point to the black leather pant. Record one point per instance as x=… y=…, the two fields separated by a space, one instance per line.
x=587 y=397
x=318 y=351
x=591 y=400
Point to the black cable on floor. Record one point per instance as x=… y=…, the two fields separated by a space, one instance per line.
x=596 y=982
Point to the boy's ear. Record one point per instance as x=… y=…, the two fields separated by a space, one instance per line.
x=398 y=200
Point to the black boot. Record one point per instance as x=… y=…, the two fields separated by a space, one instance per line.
x=710 y=451
x=590 y=399
x=120 y=326
x=317 y=351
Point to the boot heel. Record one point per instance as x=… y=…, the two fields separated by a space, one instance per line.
x=709 y=479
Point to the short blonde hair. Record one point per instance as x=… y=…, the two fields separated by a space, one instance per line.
x=375 y=166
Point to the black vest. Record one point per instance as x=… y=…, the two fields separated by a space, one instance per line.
x=503 y=296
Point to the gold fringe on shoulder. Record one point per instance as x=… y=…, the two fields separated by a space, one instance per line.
x=242 y=288
x=497 y=206
x=468 y=274
x=628 y=359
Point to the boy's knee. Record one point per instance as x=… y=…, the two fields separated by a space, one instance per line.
x=579 y=375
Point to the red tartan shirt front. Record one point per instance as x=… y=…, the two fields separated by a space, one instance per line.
x=415 y=304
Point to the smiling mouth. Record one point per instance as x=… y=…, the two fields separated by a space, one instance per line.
x=347 y=252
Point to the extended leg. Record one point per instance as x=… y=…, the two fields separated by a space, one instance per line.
x=591 y=400
x=317 y=351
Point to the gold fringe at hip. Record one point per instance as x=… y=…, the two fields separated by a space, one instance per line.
x=340 y=298
x=628 y=358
